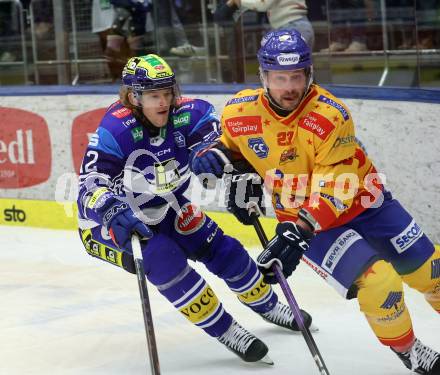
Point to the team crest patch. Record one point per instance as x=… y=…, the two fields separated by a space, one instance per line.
x=179 y=139
x=189 y=220
x=258 y=146
x=338 y=106
x=288 y=156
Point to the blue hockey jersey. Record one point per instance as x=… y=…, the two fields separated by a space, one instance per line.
x=122 y=157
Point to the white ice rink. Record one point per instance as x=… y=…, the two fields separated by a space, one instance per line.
x=63 y=312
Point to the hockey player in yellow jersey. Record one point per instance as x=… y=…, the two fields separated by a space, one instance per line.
x=332 y=207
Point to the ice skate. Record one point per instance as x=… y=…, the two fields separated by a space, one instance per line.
x=243 y=343
x=282 y=316
x=421 y=359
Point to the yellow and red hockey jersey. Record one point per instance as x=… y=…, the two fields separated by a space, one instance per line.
x=309 y=159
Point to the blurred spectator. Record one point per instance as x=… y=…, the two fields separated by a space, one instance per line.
x=349 y=20
x=171 y=17
x=282 y=14
x=428 y=19
x=103 y=15
x=128 y=23
x=403 y=15
x=8 y=31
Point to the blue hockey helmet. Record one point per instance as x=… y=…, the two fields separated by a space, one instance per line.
x=284 y=49
x=150 y=72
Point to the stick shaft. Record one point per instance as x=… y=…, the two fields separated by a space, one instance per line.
x=146 y=308
x=293 y=304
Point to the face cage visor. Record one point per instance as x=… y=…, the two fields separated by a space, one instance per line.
x=264 y=81
x=175 y=89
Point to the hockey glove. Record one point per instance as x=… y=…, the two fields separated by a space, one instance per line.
x=244 y=190
x=285 y=249
x=223 y=14
x=122 y=223
x=208 y=158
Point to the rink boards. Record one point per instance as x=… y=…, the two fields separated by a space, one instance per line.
x=44 y=131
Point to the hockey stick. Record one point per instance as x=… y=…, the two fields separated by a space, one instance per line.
x=291 y=299
x=146 y=309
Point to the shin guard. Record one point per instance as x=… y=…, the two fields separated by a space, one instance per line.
x=197 y=302
x=426 y=279
x=252 y=290
x=381 y=299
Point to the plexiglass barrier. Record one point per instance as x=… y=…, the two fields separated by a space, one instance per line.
x=354 y=42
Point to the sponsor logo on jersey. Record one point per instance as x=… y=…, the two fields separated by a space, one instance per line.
x=25 y=149
x=407 y=237
x=288 y=156
x=185 y=107
x=317 y=124
x=338 y=106
x=189 y=220
x=137 y=133
x=182 y=119
x=334 y=201
x=288 y=59
x=242 y=99
x=128 y=122
x=212 y=235
x=179 y=139
x=84 y=133
x=167 y=175
x=258 y=146
x=344 y=141
x=121 y=112
x=185 y=100
x=163 y=152
x=244 y=125
x=315 y=268
x=339 y=248
x=392 y=300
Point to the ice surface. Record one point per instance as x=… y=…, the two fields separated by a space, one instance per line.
x=63 y=312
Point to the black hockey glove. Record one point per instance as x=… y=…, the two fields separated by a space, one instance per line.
x=223 y=14
x=244 y=190
x=285 y=249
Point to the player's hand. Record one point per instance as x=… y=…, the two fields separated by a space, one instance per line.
x=285 y=249
x=122 y=223
x=244 y=190
x=209 y=159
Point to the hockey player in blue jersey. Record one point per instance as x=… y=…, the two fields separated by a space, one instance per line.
x=135 y=170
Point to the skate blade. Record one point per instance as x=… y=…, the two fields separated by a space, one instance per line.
x=267 y=360
x=313 y=328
